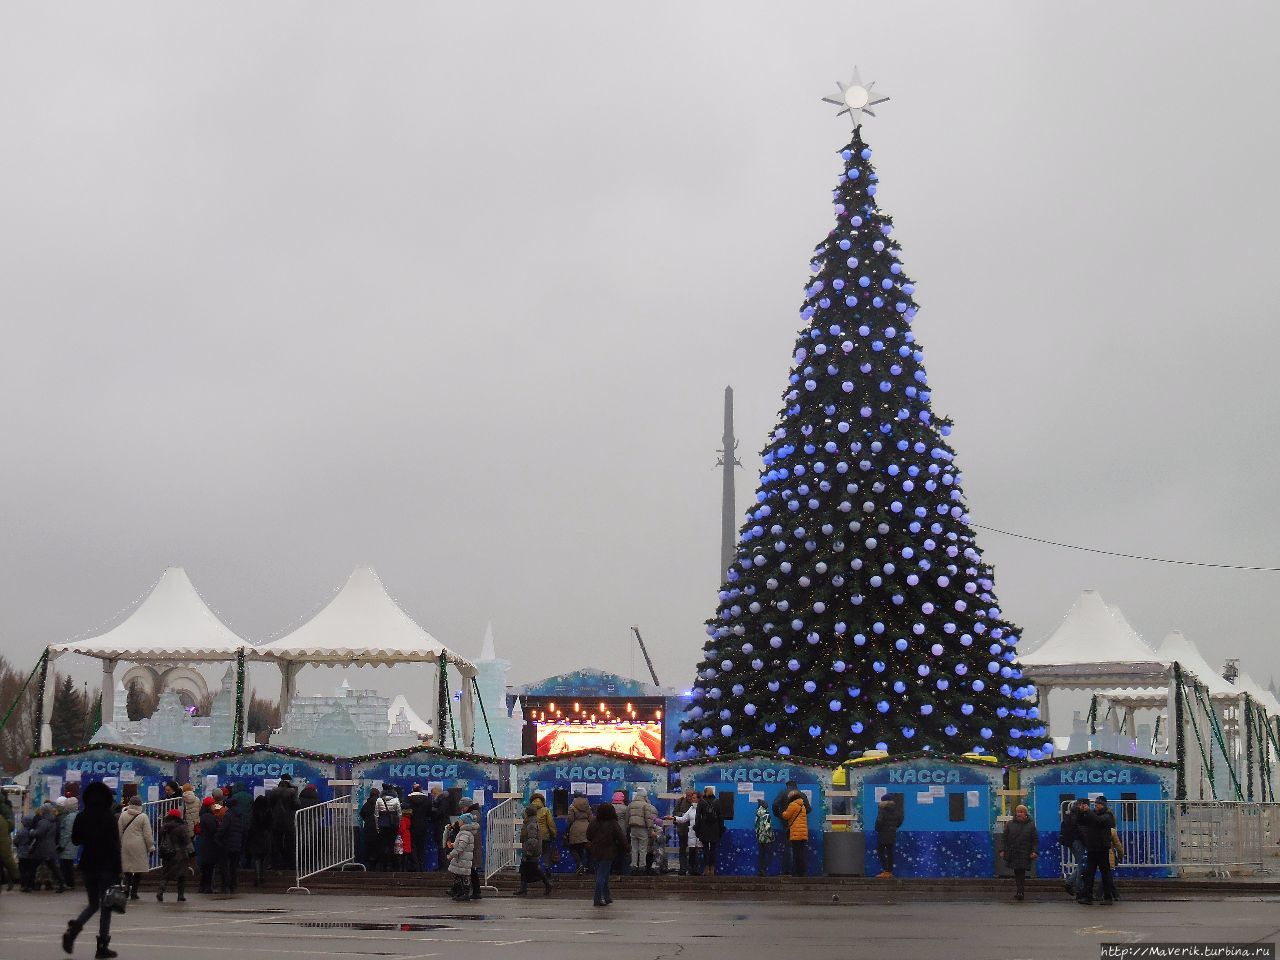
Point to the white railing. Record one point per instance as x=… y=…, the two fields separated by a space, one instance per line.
x=502 y=837
x=324 y=839
x=156 y=811
x=1207 y=837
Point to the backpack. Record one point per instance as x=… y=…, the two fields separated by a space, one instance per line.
x=388 y=819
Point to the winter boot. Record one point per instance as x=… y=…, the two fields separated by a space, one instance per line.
x=69 y=936
x=524 y=888
x=134 y=882
x=182 y=889
x=104 y=950
x=546 y=885
x=160 y=895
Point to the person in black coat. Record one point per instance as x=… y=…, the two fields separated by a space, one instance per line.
x=1097 y=824
x=888 y=820
x=709 y=826
x=420 y=805
x=1018 y=848
x=607 y=842
x=284 y=804
x=439 y=821
x=232 y=831
x=209 y=856
x=369 y=823
x=258 y=841
x=96 y=833
x=1071 y=837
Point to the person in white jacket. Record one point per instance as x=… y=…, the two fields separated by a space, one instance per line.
x=688 y=819
x=136 y=843
x=641 y=815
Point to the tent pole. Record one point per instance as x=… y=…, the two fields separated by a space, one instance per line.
x=108 y=690
x=44 y=699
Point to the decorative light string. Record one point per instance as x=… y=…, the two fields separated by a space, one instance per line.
x=1126 y=556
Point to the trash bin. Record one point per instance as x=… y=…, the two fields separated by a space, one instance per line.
x=997 y=840
x=844 y=853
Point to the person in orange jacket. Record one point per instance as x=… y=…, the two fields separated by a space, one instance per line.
x=795 y=816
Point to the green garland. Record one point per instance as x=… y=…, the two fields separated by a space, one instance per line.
x=1202 y=697
x=1180 y=753
x=124 y=748
x=401 y=752
x=41 y=663
x=294 y=752
x=1248 y=746
x=1095 y=755
x=1155 y=734
x=238 y=724
x=43 y=667
x=1093 y=714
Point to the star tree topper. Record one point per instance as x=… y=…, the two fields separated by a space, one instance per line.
x=856 y=98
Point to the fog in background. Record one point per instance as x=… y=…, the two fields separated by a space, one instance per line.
x=455 y=289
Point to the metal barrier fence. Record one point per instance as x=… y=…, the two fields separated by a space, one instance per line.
x=324 y=839
x=1194 y=837
x=156 y=811
x=502 y=837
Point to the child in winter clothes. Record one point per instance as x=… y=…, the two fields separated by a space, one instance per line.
x=764 y=837
x=531 y=855
x=404 y=841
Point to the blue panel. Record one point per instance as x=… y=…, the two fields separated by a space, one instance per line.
x=100 y=764
x=966 y=853
x=253 y=769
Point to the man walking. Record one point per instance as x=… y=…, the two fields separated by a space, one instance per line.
x=1071 y=837
x=1097 y=825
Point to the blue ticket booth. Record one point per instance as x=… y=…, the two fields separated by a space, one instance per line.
x=260 y=768
x=463 y=777
x=949 y=805
x=126 y=770
x=740 y=782
x=1128 y=783
x=597 y=774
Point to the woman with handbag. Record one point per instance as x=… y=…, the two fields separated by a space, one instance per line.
x=95 y=831
x=136 y=843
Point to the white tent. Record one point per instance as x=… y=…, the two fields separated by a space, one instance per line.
x=363 y=626
x=171 y=624
x=1094 y=647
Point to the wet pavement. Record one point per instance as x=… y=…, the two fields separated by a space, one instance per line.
x=252 y=927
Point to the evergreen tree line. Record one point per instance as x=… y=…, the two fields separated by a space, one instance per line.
x=77 y=713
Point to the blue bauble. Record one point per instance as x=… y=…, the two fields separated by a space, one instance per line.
x=770 y=727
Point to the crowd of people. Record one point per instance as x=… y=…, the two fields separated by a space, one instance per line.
x=213 y=838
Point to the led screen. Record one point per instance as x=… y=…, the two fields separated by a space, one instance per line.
x=634 y=739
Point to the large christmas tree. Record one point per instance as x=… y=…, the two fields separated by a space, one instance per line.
x=859 y=613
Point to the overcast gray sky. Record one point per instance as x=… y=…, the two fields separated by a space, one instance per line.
x=455 y=289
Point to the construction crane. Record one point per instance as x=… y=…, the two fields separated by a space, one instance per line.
x=649 y=663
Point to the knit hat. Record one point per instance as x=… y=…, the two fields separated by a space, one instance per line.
x=619 y=797
x=175 y=814
x=207 y=802
x=135 y=801
x=187 y=786
x=62 y=802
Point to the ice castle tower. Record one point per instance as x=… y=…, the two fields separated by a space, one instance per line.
x=491 y=682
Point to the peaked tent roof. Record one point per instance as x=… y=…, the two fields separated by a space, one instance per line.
x=416 y=723
x=361 y=625
x=1091 y=633
x=171 y=623
x=1177 y=647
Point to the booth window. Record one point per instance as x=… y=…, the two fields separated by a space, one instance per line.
x=955 y=807
x=455 y=801
x=560 y=802
x=1128 y=807
x=724 y=802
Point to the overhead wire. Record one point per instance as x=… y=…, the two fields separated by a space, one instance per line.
x=1127 y=556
